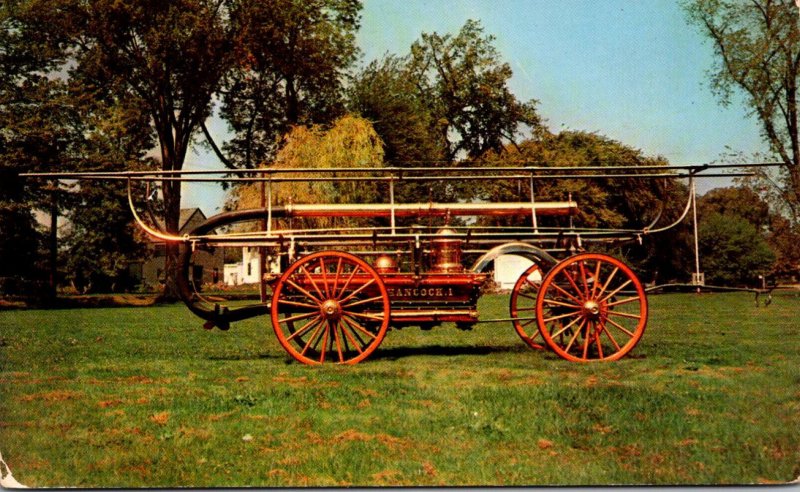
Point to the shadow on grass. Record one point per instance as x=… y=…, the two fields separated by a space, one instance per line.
x=247 y=356
x=396 y=352
x=444 y=350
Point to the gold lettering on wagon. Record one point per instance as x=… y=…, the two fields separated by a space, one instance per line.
x=420 y=292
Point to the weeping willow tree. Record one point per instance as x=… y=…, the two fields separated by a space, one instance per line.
x=351 y=142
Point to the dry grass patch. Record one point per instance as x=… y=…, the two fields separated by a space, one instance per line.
x=53 y=396
x=160 y=418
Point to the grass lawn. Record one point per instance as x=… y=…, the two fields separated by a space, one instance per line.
x=143 y=396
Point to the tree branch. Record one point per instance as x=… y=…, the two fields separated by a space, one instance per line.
x=227 y=163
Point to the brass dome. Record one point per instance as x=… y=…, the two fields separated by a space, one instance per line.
x=385 y=264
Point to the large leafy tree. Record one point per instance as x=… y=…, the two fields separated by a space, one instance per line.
x=100 y=240
x=465 y=85
x=52 y=124
x=445 y=102
x=171 y=56
x=757 y=46
x=294 y=54
x=742 y=203
x=37 y=133
x=448 y=99
x=736 y=201
x=603 y=203
x=167 y=57
x=732 y=252
x=350 y=142
x=173 y=59
x=385 y=93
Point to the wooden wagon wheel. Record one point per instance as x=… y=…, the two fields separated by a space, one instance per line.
x=591 y=307
x=523 y=306
x=330 y=306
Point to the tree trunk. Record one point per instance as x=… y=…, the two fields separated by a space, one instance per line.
x=53 y=284
x=292 y=104
x=172 y=159
x=172 y=212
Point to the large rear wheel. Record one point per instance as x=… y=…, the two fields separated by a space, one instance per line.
x=591 y=307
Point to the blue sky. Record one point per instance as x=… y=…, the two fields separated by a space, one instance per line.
x=632 y=70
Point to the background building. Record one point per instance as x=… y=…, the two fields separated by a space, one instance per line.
x=208 y=265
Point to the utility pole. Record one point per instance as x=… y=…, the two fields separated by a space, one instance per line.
x=697 y=277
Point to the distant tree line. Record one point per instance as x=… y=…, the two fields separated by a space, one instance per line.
x=99 y=85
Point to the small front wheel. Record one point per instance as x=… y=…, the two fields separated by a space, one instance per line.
x=330 y=306
x=591 y=307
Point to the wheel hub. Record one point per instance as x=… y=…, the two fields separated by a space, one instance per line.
x=331 y=309
x=591 y=309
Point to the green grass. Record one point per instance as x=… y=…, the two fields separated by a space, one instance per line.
x=131 y=397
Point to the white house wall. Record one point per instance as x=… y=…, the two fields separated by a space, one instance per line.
x=247 y=272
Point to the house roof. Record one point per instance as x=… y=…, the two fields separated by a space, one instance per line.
x=185 y=217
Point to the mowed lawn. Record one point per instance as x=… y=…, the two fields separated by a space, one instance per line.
x=132 y=397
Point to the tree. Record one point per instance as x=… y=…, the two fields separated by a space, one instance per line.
x=101 y=240
x=53 y=120
x=466 y=87
x=732 y=252
x=174 y=58
x=351 y=142
x=781 y=236
x=294 y=57
x=615 y=203
x=19 y=239
x=757 y=46
x=48 y=127
x=384 y=92
x=784 y=239
x=738 y=201
x=446 y=101
x=168 y=56
x=37 y=134
x=602 y=203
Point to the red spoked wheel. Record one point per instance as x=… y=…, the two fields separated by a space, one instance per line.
x=330 y=306
x=591 y=307
x=523 y=306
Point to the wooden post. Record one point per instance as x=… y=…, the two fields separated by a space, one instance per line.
x=53 y=277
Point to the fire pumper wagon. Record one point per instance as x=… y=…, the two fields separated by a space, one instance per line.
x=418 y=264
